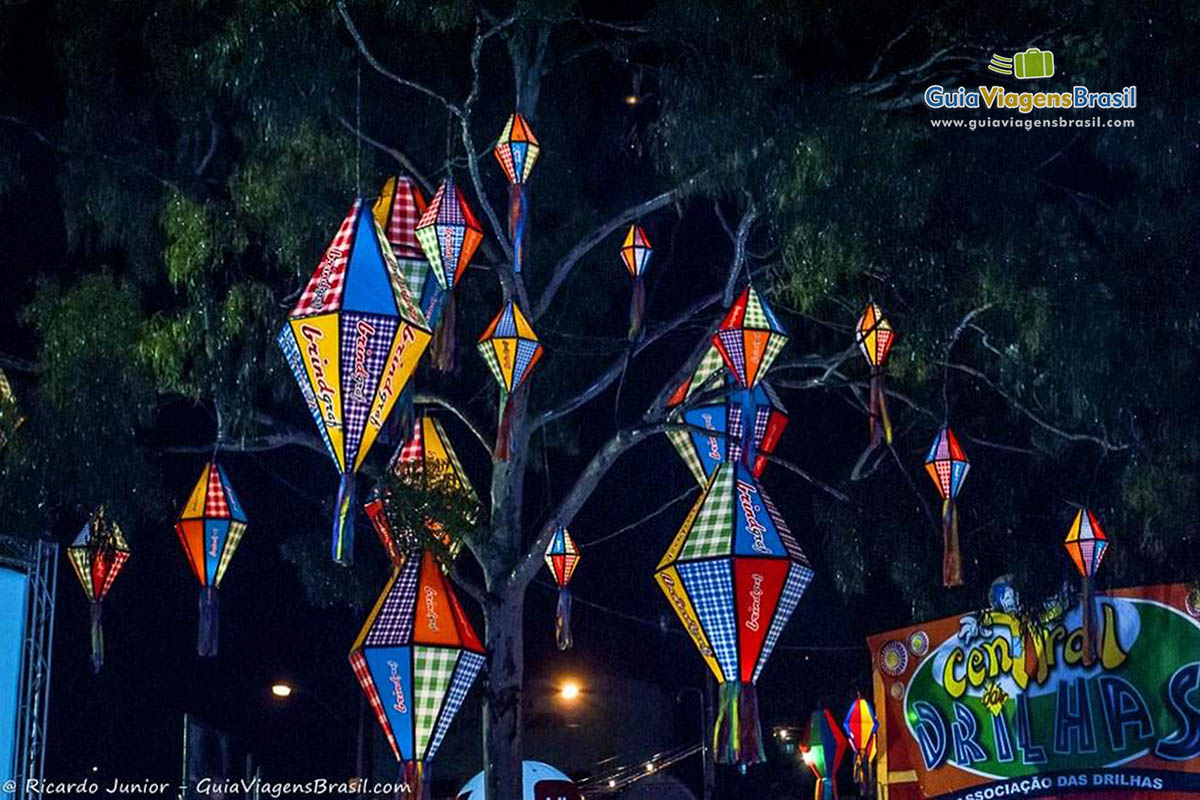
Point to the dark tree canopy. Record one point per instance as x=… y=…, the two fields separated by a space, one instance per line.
x=169 y=178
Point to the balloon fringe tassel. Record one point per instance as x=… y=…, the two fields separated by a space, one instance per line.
x=951 y=555
x=562 y=620
x=504 y=431
x=343 y=521
x=880 y=422
x=97 y=638
x=637 y=308
x=208 y=634
x=443 y=337
x=737 y=738
x=415 y=777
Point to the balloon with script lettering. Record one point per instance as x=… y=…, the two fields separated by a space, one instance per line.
x=210 y=527
x=947 y=466
x=874 y=336
x=352 y=342
x=861 y=725
x=511 y=350
x=427 y=460
x=713 y=412
x=734 y=574
x=415 y=659
x=400 y=205
x=562 y=556
x=449 y=234
x=98 y=554
x=1086 y=544
x=635 y=253
x=517 y=151
x=823 y=749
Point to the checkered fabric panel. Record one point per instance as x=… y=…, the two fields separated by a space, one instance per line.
x=215 y=506
x=291 y=352
x=785 y=533
x=324 y=290
x=361 y=371
x=433 y=669
x=682 y=441
x=489 y=357
x=712 y=531
x=359 y=663
x=755 y=318
x=469 y=665
x=735 y=347
x=119 y=557
x=81 y=561
x=709 y=585
x=526 y=350
x=798 y=579
x=416 y=273
x=459 y=473
x=393 y=624
x=411 y=452
x=943 y=473
x=450 y=240
x=232 y=539
x=450 y=209
x=402 y=221
x=774 y=345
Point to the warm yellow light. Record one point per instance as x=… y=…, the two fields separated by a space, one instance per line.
x=783 y=734
x=649 y=768
x=569 y=690
x=809 y=757
x=612 y=783
x=632 y=99
x=281 y=690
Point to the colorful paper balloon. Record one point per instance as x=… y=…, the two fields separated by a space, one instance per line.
x=511 y=350
x=749 y=337
x=823 y=749
x=562 y=556
x=715 y=434
x=861 y=726
x=415 y=659
x=449 y=234
x=210 y=527
x=947 y=466
x=875 y=336
x=635 y=253
x=98 y=554
x=734 y=574
x=427 y=457
x=399 y=207
x=352 y=342
x=1086 y=544
x=517 y=149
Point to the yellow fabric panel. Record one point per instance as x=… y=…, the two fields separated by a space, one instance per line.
x=383 y=205
x=524 y=330
x=317 y=338
x=668 y=580
x=195 y=504
x=684 y=529
x=435 y=448
x=407 y=348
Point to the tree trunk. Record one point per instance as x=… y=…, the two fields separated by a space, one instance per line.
x=502 y=702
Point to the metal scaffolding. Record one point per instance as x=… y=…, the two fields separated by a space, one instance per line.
x=38 y=559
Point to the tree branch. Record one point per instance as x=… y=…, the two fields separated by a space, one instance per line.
x=403 y=160
x=384 y=71
x=257 y=444
x=815 y=481
x=562 y=270
x=1103 y=443
x=430 y=399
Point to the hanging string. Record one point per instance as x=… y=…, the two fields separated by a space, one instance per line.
x=358 y=131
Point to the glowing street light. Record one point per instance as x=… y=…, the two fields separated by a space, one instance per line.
x=569 y=691
x=281 y=690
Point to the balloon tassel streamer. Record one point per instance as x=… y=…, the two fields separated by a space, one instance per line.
x=343 y=521
x=951 y=555
x=208 y=634
x=97 y=638
x=562 y=620
x=737 y=738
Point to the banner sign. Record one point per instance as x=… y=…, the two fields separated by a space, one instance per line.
x=988 y=706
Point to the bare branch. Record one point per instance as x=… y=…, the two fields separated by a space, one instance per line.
x=562 y=270
x=815 y=481
x=686 y=493
x=430 y=399
x=569 y=506
x=402 y=159
x=19 y=364
x=256 y=444
x=384 y=71
x=739 y=249
x=1103 y=443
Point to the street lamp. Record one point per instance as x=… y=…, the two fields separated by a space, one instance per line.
x=281 y=690
x=705 y=756
x=569 y=691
